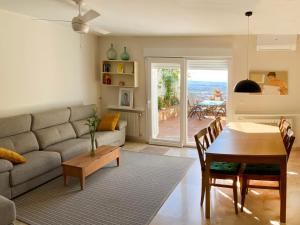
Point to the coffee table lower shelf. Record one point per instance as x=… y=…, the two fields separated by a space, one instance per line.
x=85 y=164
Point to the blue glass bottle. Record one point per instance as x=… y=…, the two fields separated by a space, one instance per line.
x=125 y=55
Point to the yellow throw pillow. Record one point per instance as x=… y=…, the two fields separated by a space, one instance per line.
x=12 y=156
x=109 y=122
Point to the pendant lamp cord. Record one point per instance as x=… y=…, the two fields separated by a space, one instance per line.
x=248 y=49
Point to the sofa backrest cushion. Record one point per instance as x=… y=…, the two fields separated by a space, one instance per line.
x=50 y=118
x=52 y=127
x=81 y=112
x=52 y=135
x=79 y=115
x=80 y=127
x=20 y=143
x=14 y=125
x=15 y=134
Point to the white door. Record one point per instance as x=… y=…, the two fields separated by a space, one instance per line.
x=166 y=101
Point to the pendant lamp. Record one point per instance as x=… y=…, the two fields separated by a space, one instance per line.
x=247 y=86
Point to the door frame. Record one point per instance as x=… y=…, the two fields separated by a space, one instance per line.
x=182 y=104
x=183 y=95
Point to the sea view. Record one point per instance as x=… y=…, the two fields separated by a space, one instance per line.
x=202 y=90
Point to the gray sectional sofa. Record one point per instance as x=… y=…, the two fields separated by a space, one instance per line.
x=46 y=140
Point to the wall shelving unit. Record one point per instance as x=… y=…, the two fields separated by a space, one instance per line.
x=120 y=73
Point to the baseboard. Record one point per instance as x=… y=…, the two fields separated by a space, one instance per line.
x=136 y=139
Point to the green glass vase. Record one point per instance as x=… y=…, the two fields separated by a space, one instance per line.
x=111 y=53
x=125 y=55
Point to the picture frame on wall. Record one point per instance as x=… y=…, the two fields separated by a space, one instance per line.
x=271 y=82
x=126 y=98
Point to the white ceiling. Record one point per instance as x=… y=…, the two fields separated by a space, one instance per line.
x=173 y=17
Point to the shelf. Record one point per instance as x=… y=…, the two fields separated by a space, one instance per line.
x=116 y=85
x=118 y=108
x=112 y=73
x=120 y=71
x=119 y=61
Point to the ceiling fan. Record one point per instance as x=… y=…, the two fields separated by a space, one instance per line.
x=80 y=22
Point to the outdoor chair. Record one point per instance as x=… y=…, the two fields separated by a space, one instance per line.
x=195 y=110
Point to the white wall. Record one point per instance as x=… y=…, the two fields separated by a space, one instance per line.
x=42 y=65
x=239 y=103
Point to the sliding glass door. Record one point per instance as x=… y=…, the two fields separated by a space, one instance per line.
x=207 y=81
x=165 y=101
x=183 y=97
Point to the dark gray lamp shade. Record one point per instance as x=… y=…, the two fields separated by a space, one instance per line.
x=247 y=86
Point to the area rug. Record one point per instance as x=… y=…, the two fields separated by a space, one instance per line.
x=155 y=150
x=127 y=195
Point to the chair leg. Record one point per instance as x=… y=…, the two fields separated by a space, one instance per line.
x=241 y=183
x=202 y=190
x=243 y=192
x=279 y=188
x=235 y=197
x=247 y=189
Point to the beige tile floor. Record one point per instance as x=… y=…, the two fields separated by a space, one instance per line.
x=262 y=206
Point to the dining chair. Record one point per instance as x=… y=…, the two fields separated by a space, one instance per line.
x=264 y=172
x=219 y=124
x=218 y=170
x=282 y=118
x=213 y=131
x=284 y=127
x=288 y=141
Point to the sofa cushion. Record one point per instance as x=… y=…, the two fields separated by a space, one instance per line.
x=122 y=124
x=7 y=211
x=109 y=122
x=81 y=112
x=71 y=148
x=6 y=143
x=11 y=156
x=5 y=165
x=38 y=163
x=50 y=118
x=20 y=143
x=80 y=127
x=106 y=137
x=55 y=134
x=14 y=125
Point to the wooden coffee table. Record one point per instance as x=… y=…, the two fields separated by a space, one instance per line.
x=85 y=164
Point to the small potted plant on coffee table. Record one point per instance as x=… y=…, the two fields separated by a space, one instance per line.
x=92 y=122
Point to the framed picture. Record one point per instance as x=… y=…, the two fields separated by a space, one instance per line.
x=126 y=97
x=271 y=82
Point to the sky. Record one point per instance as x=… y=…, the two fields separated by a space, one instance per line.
x=208 y=75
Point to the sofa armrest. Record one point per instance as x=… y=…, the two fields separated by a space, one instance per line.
x=121 y=124
x=7 y=211
x=5 y=165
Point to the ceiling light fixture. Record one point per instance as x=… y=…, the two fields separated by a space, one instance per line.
x=247 y=86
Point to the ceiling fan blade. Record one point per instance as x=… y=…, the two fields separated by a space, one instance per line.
x=99 y=31
x=89 y=15
x=65 y=21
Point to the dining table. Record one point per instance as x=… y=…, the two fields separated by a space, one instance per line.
x=252 y=143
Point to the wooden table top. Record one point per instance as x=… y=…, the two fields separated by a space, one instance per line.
x=86 y=159
x=248 y=139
